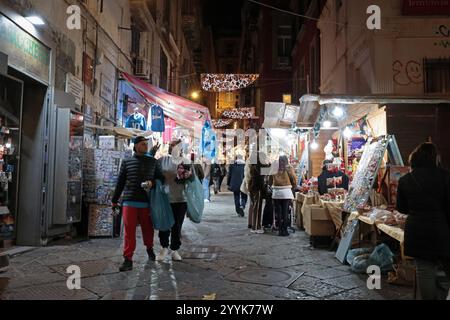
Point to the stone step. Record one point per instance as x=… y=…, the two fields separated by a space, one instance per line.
x=4 y=260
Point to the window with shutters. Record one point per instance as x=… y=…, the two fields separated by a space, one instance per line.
x=437 y=75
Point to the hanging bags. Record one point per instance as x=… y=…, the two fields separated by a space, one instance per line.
x=195 y=198
x=161 y=211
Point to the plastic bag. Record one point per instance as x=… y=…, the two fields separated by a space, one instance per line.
x=383 y=257
x=195 y=199
x=352 y=254
x=161 y=211
x=361 y=263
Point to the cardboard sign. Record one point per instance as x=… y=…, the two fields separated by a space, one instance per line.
x=107 y=142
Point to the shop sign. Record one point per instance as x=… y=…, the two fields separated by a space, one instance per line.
x=25 y=53
x=74 y=86
x=426 y=7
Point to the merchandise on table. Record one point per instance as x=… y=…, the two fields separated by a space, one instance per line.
x=381 y=215
x=100 y=221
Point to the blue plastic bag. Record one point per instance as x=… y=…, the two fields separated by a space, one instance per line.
x=383 y=257
x=195 y=199
x=352 y=254
x=161 y=211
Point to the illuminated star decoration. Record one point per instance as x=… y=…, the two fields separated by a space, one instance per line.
x=221 y=123
x=239 y=114
x=227 y=82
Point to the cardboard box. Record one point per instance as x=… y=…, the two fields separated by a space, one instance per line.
x=317 y=221
x=298 y=214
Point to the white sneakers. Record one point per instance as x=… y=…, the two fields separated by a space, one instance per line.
x=176 y=256
x=259 y=231
x=164 y=253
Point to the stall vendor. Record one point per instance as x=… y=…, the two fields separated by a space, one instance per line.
x=332 y=177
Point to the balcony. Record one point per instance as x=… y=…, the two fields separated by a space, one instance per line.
x=141 y=15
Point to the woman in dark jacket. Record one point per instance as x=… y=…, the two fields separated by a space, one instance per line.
x=424 y=195
x=235 y=178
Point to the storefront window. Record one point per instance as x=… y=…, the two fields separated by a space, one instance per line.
x=10 y=109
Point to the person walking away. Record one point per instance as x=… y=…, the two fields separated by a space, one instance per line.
x=138 y=170
x=282 y=183
x=175 y=188
x=235 y=179
x=268 y=216
x=255 y=188
x=206 y=166
x=223 y=174
x=216 y=174
x=424 y=195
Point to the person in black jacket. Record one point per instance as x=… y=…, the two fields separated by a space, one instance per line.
x=134 y=172
x=326 y=179
x=235 y=178
x=424 y=195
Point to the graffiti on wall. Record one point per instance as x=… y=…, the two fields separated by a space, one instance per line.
x=443 y=31
x=409 y=73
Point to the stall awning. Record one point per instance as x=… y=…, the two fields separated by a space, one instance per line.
x=310 y=104
x=374 y=99
x=184 y=111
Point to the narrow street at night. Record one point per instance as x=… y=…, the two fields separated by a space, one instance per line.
x=222 y=259
x=188 y=153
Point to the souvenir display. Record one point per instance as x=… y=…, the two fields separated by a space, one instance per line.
x=365 y=175
x=8 y=164
x=100 y=221
x=101 y=171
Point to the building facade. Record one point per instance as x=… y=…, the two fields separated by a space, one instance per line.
x=64 y=76
x=267 y=42
x=403 y=58
x=408 y=57
x=306 y=52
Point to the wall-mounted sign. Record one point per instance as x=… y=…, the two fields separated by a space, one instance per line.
x=25 y=53
x=74 y=86
x=426 y=7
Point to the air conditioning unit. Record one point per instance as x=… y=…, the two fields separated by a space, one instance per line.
x=141 y=70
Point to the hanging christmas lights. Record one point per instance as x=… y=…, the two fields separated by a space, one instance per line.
x=227 y=82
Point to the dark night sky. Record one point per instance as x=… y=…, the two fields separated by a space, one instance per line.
x=223 y=15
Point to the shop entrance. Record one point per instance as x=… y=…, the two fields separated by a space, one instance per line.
x=11 y=93
x=25 y=164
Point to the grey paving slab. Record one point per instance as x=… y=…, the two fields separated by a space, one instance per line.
x=314 y=287
x=327 y=273
x=49 y=292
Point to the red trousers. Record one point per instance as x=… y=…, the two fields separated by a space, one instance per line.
x=131 y=217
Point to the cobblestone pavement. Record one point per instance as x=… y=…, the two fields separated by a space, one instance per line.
x=222 y=259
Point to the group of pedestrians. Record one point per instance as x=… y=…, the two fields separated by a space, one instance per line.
x=270 y=189
x=138 y=174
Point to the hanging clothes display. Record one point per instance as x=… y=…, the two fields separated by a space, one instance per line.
x=157 y=119
x=170 y=126
x=209 y=139
x=136 y=121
